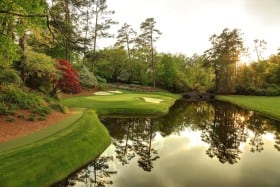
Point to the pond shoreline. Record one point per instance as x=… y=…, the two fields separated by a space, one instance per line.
x=55 y=157
x=268 y=106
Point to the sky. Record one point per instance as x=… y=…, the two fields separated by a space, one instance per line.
x=187 y=25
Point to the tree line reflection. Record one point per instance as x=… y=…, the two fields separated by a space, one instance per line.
x=223 y=127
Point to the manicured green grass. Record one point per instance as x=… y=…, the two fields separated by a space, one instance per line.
x=269 y=106
x=51 y=159
x=127 y=103
x=50 y=155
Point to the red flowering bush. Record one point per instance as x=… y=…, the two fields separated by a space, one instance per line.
x=69 y=80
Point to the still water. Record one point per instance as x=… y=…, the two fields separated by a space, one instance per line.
x=195 y=144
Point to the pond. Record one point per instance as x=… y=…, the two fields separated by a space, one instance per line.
x=195 y=144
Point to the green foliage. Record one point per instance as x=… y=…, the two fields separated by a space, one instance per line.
x=223 y=56
x=4 y=110
x=87 y=78
x=31 y=117
x=59 y=107
x=170 y=73
x=112 y=64
x=9 y=76
x=42 y=118
x=13 y=95
x=42 y=110
x=40 y=72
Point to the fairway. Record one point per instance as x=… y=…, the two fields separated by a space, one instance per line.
x=269 y=106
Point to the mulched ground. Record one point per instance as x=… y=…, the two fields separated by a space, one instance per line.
x=21 y=127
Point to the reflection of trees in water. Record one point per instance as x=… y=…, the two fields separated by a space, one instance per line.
x=185 y=114
x=277 y=141
x=230 y=127
x=225 y=134
x=97 y=173
x=124 y=148
x=258 y=127
x=223 y=127
x=136 y=139
x=143 y=145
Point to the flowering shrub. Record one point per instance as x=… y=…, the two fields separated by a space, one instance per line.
x=87 y=78
x=69 y=80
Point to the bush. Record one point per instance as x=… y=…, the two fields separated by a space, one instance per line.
x=42 y=110
x=9 y=76
x=40 y=71
x=87 y=78
x=69 y=81
x=31 y=117
x=4 y=110
x=59 y=107
x=272 y=90
x=18 y=98
x=102 y=86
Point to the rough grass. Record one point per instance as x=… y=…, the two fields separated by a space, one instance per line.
x=51 y=159
x=269 y=106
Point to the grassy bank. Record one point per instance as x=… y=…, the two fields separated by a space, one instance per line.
x=268 y=106
x=51 y=159
x=48 y=156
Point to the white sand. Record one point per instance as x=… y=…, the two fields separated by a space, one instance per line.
x=102 y=93
x=152 y=100
x=115 y=92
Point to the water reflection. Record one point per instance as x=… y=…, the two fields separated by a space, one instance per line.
x=223 y=128
x=135 y=139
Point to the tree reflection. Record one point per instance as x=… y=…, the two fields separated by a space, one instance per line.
x=225 y=134
x=136 y=139
x=97 y=173
x=277 y=141
x=257 y=125
x=122 y=130
x=143 y=145
x=223 y=127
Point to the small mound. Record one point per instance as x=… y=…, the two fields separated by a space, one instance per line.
x=102 y=93
x=152 y=100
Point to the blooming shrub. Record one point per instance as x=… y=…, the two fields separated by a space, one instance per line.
x=69 y=80
x=87 y=78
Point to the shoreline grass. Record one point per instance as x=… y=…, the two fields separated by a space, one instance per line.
x=268 y=106
x=46 y=161
x=55 y=156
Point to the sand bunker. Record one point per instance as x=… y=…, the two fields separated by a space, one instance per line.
x=152 y=100
x=107 y=93
x=102 y=93
x=115 y=92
